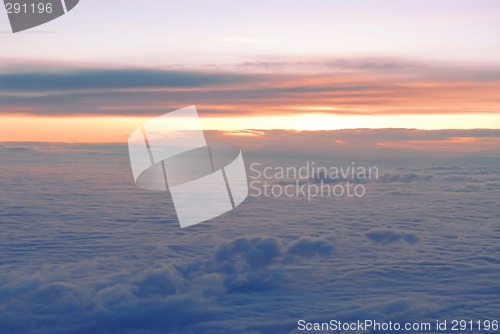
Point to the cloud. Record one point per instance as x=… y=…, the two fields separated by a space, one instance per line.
x=95 y=79
x=374 y=63
x=386 y=65
x=83 y=251
x=389 y=236
x=263 y=252
x=404 y=178
x=158 y=282
x=263 y=259
x=155 y=302
x=257 y=252
x=372 y=146
x=262 y=280
x=173 y=297
x=338 y=86
x=311 y=247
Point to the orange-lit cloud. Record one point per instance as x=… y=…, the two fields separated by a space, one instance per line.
x=362 y=87
x=335 y=94
x=362 y=144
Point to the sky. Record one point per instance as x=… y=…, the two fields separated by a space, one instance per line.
x=100 y=71
x=409 y=87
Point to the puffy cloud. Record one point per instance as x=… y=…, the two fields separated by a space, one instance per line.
x=261 y=280
x=311 y=247
x=389 y=236
x=263 y=261
x=158 y=282
x=258 y=252
x=172 y=297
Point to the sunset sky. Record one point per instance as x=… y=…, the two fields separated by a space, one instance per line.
x=315 y=94
x=100 y=71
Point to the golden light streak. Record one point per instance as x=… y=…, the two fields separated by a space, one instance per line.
x=116 y=129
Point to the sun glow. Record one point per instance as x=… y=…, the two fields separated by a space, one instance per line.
x=107 y=129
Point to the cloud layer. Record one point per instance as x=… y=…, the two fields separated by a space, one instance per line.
x=84 y=251
x=357 y=86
